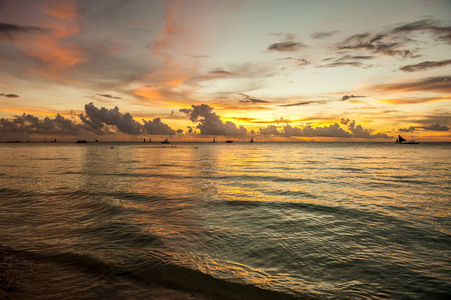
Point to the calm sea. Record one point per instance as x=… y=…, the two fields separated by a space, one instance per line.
x=262 y=220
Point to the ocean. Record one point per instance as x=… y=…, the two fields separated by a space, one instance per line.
x=225 y=221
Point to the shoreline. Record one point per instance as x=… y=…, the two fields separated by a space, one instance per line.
x=24 y=276
x=17 y=273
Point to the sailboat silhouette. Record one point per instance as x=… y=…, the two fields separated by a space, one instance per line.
x=401 y=140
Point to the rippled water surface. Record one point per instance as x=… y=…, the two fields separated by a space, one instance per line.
x=309 y=220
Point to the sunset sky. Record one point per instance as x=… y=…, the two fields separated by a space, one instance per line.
x=194 y=70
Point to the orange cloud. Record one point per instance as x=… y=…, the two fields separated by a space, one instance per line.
x=35 y=111
x=414 y=101
x=62 y=10
x=163 y=41
x=53 y=48
x=50 y=50
x=433 y=84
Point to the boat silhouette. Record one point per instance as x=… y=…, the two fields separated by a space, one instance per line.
x=229 y=141
x=252 y=140
x=165 y=141
x=401 y=140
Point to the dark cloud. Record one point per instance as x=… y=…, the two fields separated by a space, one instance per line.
x=441 y=32
x=322 y=35
x=11 y=31
x=396 y=41
x=98 y=118
x=433 y=127
x=30 y=124
x=344 y=63
x=108 y=96
x=345 y=121
x=297 y=104
x=93 y=120
x=210 y=123
x=300 y=62
x=436 y=127
x=270 y=130
x=380 y=43
x=334 y=130
x=157 y=127
x=441 y=84
x=190 y=129
x=220 y=71
x=425 y=65
x=303 y=103
x=443 y=118
x=409 y=129
x=287 y=46
x=356 y=57
x=349 y=60
x=320 y=131
x=359 y=132
x=249 y=99
x=9 y=95
x=347 y=97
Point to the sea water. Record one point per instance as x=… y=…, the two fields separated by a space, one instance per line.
x=262 y=220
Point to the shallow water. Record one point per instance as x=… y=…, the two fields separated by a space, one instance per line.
x=309 y=220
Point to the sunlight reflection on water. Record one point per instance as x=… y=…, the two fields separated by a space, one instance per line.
x=305 y=219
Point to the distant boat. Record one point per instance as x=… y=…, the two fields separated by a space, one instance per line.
x=165 y=141
x=401 y=140
x=81 y=142
x=252 y=140
x=229 y=141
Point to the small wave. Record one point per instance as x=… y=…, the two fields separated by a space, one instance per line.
x=6 y=193
x=50 y=158
x=72 y=173
x=195 y=280
x=349 y=169
x=146 y=273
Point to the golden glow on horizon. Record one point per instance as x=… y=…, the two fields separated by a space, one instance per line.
x=254 y=71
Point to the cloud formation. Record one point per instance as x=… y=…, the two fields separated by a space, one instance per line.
x=29 y=124
x=270 y=130
x=432 y=127
x=287 y=46
x=379 y=43
x=395 y=41
x=108 y=96
x=297 y=104
x=97 y=119
x=323 y=34
x=157 y=127
x=249 y=99
x=333 y=130
x=440 y=84
x=210 y=123
x=12 y=31
x=359 y=132
x=347 y=97
x=9 y=95
x=442 y=33
x=348 y=60
x=425 y=65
